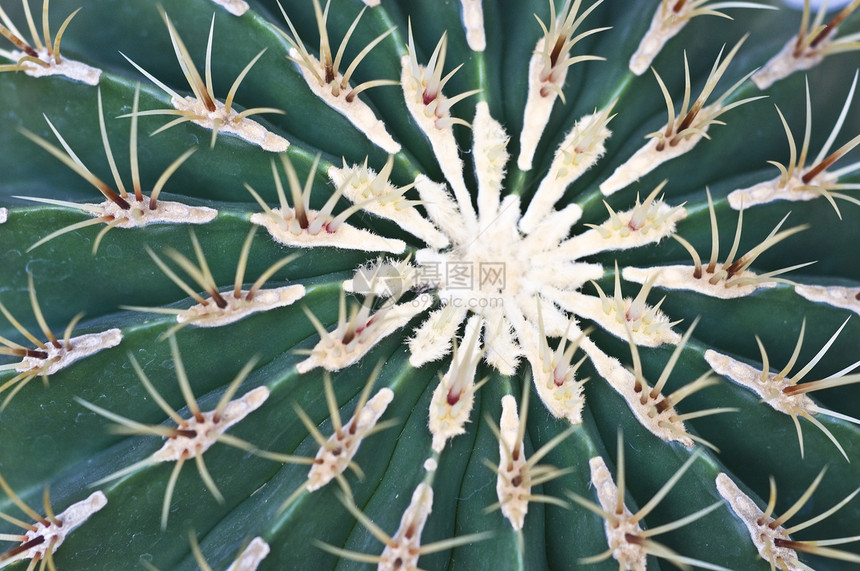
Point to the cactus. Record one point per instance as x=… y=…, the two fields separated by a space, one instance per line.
x=429 y=283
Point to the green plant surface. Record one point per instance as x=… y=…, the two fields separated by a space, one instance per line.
x=52 y=436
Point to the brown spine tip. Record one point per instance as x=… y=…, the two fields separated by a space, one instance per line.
x=348 y=336
x=735 y=267
x=38 y=540
x=832 y=25
x=185 y=433
x=116 y=198
x=18 y=42
x=556 y=50
x=218 y=298
x=820 y=167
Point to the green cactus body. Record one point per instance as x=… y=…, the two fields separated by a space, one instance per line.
x=366 y=308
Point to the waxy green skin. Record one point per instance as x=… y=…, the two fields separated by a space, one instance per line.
x=46 y=438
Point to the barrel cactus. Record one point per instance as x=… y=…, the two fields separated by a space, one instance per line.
x=451 y=284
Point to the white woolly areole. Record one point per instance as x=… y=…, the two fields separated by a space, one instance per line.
x=681 y=277
x=552 y=229
x=581 y=149
x=371 y=3
x=648 y=158
x=762 y=534
x=69 y=68
x=794 y=189
x=432 y=339
x=661 y=424
x=284 y=228
x=251 y=556
x=4 y=215
x=139 y=215
x=525 y=317
x=785 y=63
x=61 y=357
x=245 y=128
x=237 y=8
x=512 y=484
x=382 y=278
x=441 y=209
x=210 y=315
x=566 y=276
x=333 y=459
x=665 y=24
x=441 y=137
x=557 y=388
x=629 y=555
x=769 y=389
x=55 y=534
x=844 y=297
x=402 y=551
x=430 y=464
x=356 y=111
x=473 y=22
x=622 y=230
x=207 y=430
x=650 y=327
x=449 y=420
x=454 y=396
x=565 y=400
x=538 y=106
x=360 y=185
x=333 y=355
x=488 y=267
x=491 y=157
x=501 y=350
